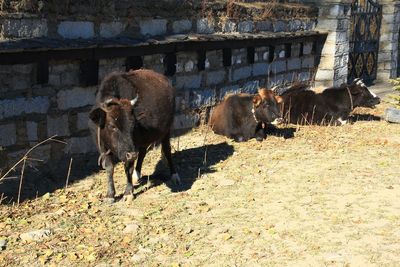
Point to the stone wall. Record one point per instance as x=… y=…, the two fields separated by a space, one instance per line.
x=33 y=109
x=389 y=41
x=145 y=19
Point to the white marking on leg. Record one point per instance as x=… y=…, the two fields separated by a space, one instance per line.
x=342 y=122
x=176 y=179
x=135 y=177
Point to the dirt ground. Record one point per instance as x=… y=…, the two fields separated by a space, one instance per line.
x=320 y=196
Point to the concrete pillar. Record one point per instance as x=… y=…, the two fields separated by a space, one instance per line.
x=389 y=40
x=334 y=18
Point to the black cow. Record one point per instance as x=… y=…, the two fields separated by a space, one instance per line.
x=133 y=111
x=330 y=107
x=242 y=116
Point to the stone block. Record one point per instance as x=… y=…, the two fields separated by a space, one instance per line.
x=80 y=145
x=182 y=26
x=280 y=26
x=188 y=81
x=295 y=25
x=232 y=89
x=304 y=76
x=229 y=26
x=245 y=26
x=307 y=48
x=200 y=98
x=250 y=87
x=75 y=98
x=294 y=64
x=216 y=77
x=76 y=29
x=186 y=121
x=260 y=69
x=32 y=131
x=264 y=26
x=8 y=135
x=58 y=125
x=15 y=107
x=278 y=66
x=82 y=121
x=323 y=75
x=241 y=73
x=106 y=66
x=276 y=80
x=308 y=62
x=23 y=28
x=296 y=50
x=111 y=29
x=205 y=26
x=153 y=27
x=213 y=59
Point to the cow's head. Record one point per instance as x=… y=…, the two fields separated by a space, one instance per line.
x=116 y=121
x=266 y=107
x=361 y=95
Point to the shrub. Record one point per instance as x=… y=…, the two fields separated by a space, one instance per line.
x=396 y=88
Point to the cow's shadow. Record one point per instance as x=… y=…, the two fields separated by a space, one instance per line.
x=363 y=117
x=286 y=132
x=190 y=164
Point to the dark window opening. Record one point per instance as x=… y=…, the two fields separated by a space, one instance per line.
x=170 y=64
x=201 y=60
x=42 y=72
x=314 y=47
x=250 y=55
x=301 y=50
x=89 y=72
x=271 y=54
x=134 y=63
x=227 y=57
x=288 y=50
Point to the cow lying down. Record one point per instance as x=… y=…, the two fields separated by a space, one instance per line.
x=242 y=116
x=330 y=107
x=133 y=111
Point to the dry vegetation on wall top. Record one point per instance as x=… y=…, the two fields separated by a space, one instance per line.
x=272 y=10
x=256 y=10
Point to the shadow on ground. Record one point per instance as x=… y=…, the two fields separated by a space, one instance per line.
x=190 y=164
x=287 y=132
x=364 y=117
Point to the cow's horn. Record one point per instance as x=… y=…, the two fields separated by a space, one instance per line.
x=133 y=101
x=108 y=101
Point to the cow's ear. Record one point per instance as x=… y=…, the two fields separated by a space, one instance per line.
x=98 y=116
x=257 y=100
x=279 y=99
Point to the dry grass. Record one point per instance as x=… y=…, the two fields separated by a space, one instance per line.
x=327 y=196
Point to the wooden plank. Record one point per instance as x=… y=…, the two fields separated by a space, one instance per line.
x=92 y=50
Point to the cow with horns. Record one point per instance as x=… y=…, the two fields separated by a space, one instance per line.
x=330 y=107
x=133 y=111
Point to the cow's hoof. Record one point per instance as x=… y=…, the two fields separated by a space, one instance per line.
x=128 y=198
x=176 y=179
x=109 y=200
x=259 y=138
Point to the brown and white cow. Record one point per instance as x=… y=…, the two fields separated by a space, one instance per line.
x=133 y=111
x=330 y=107
x=242 y=116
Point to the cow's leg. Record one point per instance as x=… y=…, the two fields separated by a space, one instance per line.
x=128 y=172
x=166 y=149
x=109 y=166
x=138 y=169
x=260 y=133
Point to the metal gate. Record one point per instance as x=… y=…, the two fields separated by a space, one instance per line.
x=365 y=24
